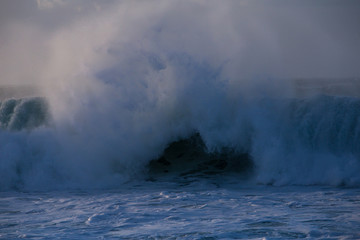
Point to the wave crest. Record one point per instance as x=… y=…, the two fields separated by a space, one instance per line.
x=25 y=113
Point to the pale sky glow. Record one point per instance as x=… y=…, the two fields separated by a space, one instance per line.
x=47 y=4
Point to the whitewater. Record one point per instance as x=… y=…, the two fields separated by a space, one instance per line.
x=174 y=120
x=269 y=141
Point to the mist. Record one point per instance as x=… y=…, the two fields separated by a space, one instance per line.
x=246 y=38
x=80 y=48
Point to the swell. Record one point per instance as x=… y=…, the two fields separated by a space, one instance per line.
x=323 y=123
x=308 y=141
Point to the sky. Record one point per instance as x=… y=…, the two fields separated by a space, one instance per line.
x=44 y=40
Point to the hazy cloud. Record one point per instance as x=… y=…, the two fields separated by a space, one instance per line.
x=47 y=4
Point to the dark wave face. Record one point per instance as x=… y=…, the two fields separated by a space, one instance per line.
x=190 y=158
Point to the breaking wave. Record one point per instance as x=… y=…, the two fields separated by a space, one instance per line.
x=269 y=141
x=141 y=90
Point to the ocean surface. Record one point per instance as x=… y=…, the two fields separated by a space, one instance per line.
x=183 y=210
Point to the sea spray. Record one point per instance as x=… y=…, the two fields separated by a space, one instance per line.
x=125 y=80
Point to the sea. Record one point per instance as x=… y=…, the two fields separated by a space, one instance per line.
x=203 y=209
x=255 y=168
